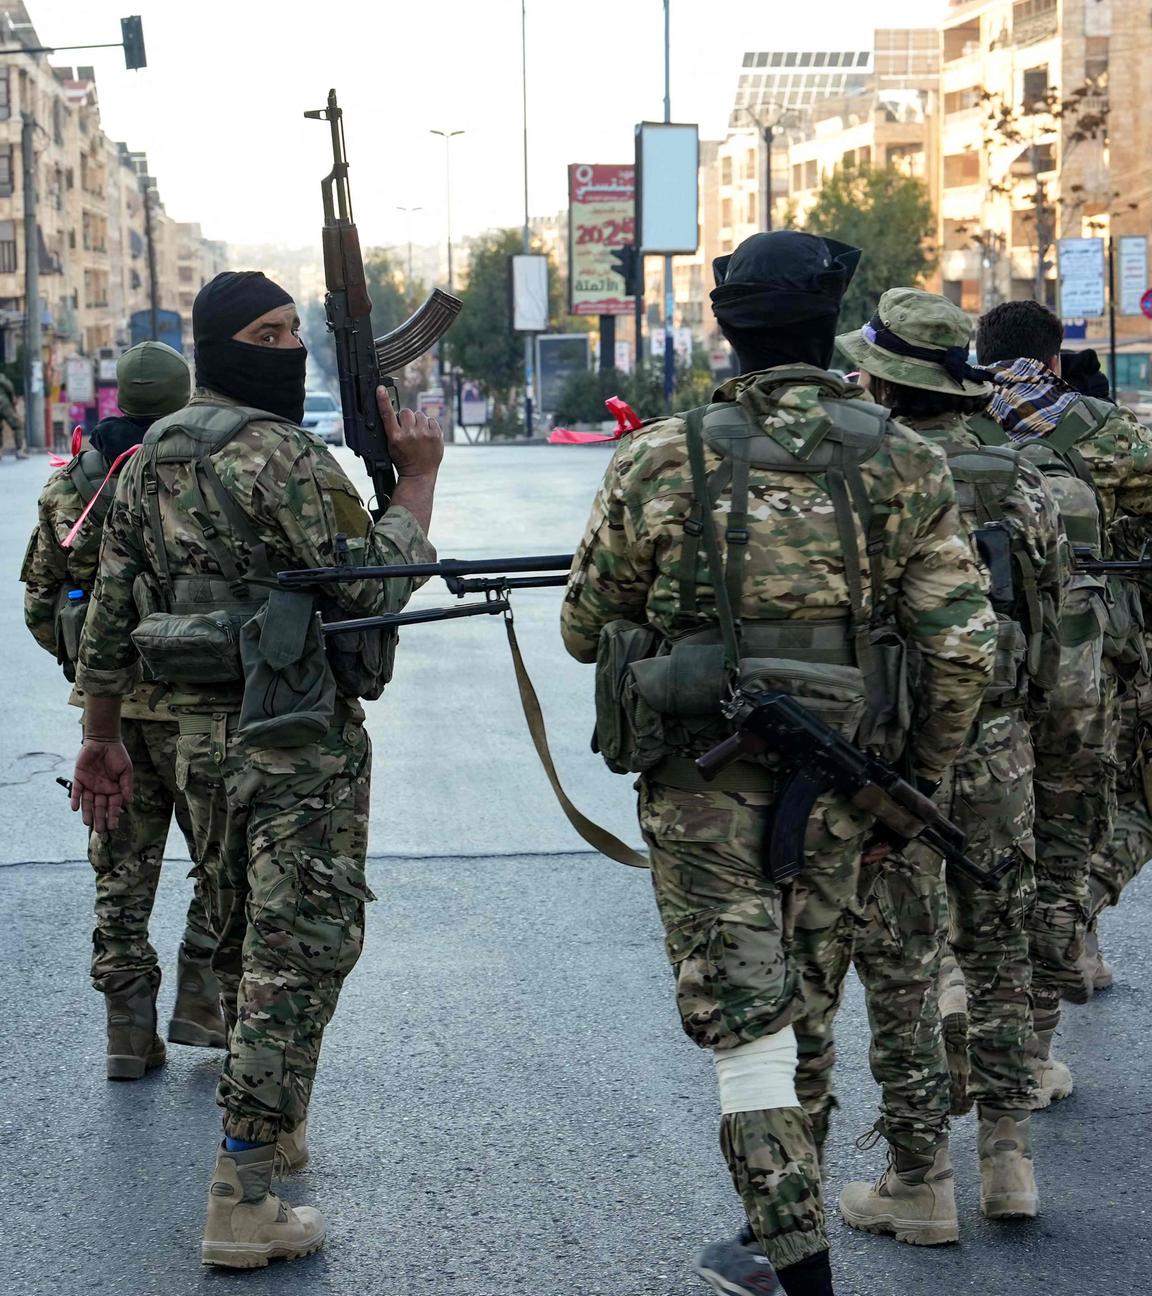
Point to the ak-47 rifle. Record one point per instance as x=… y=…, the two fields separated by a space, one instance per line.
x=364 y=363
x=488 y=576
x=1090 y=565
x=826 y=761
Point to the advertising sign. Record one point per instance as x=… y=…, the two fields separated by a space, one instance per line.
x=473 y=405
x=432 y=403
x=667 y=187
x=79 y=380
x=1132 y=271
x=601 y=218
x=1083 y=277
x=558 y=357
x=624 y=357
x=106 y=406
x=529 y=293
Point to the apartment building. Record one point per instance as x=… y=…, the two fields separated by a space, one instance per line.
x=92 y=225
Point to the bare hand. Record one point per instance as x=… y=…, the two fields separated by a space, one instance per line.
x=415 y=440
x=102 y=784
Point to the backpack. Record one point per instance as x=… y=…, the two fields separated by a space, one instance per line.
x=658 y=696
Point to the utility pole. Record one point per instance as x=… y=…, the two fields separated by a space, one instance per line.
x=445 y=378
x=33 y=347
x=669 y=292
x=529 y=367
x=1112 y=313
x=408 y=212
x=150 y=245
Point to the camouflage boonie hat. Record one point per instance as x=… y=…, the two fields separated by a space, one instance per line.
x=919 y=339
x=152 y=380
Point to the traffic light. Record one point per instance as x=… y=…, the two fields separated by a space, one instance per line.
x=132 y=32
x=626 y=263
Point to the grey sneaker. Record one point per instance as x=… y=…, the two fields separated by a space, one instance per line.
x=736 y=1269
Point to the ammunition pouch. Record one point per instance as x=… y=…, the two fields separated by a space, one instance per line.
x=68 y=621
x=361 y=661
x=629 y=735
x=1080 y=674
x=183 y=648
x=289 y=688
x=1124 y=643
x=1009 y=683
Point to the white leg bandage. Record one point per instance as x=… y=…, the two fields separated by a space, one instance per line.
x=760 y=1075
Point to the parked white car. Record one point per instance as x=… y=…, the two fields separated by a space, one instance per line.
x=322 y=415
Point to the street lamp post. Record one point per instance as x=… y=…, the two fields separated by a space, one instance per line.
x=447 y=136
x=767 y=126
x=408 y=212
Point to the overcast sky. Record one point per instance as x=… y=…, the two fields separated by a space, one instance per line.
x=218 y=109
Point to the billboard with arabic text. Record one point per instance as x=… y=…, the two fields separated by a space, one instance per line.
x=601 y=218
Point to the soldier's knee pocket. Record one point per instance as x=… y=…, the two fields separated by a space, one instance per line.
x=733 y=981
x=314 y=921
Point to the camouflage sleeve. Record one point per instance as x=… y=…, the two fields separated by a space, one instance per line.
x=303 y=494
x=107 y=664
x=1033 y=511
x=1120 y=459
x=943 y=608
x=613 y=567
x=46 y=565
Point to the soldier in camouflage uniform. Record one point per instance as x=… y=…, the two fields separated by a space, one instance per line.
x=1075 y=741
x=759 y=966
x=58 y=574
x=914 y=353
x=11 y=420
x=281 y=830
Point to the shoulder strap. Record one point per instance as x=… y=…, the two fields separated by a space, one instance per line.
x=989 y=432
x=86 y=482
x=1083 y=418
x=694 y=420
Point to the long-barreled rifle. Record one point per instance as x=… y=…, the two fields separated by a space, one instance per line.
x=365 y=363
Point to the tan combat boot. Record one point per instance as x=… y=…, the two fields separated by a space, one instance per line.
x=247 y=1224
x=1007 y=1179
x=914 y=1200
x=292 y=1153
x=133 y=1045
x=1096 y=972
x=196 y=1017
x=953 y=997
x=1051 y=1078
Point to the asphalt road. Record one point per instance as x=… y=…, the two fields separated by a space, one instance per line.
x=506 y=1102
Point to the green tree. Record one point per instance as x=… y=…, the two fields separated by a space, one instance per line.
x=482 y=342
x=889 y=216
x=389 y=293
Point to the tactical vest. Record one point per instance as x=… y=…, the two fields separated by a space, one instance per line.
x=86 y=472
x=985 y=478
x=1099 y=616
x=657 y=696
x=220 y=631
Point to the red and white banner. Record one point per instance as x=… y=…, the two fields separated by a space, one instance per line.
x=601 y=218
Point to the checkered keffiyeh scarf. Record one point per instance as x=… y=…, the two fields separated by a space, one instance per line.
x=1030 y=400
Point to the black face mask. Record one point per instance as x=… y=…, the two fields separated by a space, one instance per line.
x=268 y=378
x=112 y=436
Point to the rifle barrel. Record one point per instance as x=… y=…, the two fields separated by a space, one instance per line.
x=410 y=571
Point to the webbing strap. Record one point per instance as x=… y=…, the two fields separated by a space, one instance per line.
x=736 y=535
x=598 y=838
x=152 y=491
x=1032 y=610
x=693 y=421
x=687 y=602
x=742 y=776
x=208 y=529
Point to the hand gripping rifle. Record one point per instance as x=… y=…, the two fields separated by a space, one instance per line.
x=825 y=761
x=495 y=578
x=363 y=364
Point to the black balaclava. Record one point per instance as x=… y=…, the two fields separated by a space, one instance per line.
x=777 y=298
x=269 y=378
x=113 y=435
x=1081 y=369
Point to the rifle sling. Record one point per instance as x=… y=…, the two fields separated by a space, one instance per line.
x=598 y=838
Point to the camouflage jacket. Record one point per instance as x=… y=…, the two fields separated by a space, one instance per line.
x=297 y=498
x=1031 y=512
x=49 y=567
x=626 y=566
x=1119 y=456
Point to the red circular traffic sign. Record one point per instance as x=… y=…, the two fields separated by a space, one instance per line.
x=1146 y=303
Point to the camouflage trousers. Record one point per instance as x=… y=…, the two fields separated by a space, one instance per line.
x=988 y=795
x=127 y=862
x=281 y=837
x=750 y=958
x=1075 y=784
x=1130 y=847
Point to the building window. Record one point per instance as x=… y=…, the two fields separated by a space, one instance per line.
x=1096 y=59
x=725 y=170
x=6 y=170
x=750 y=209
x=7 y=247
x=1035 y=92
x=961 y=169
x=962 y=100
x=726 y=213
x=811 y=175
x=750 y=165
x=797 y=177
x=5 y=94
